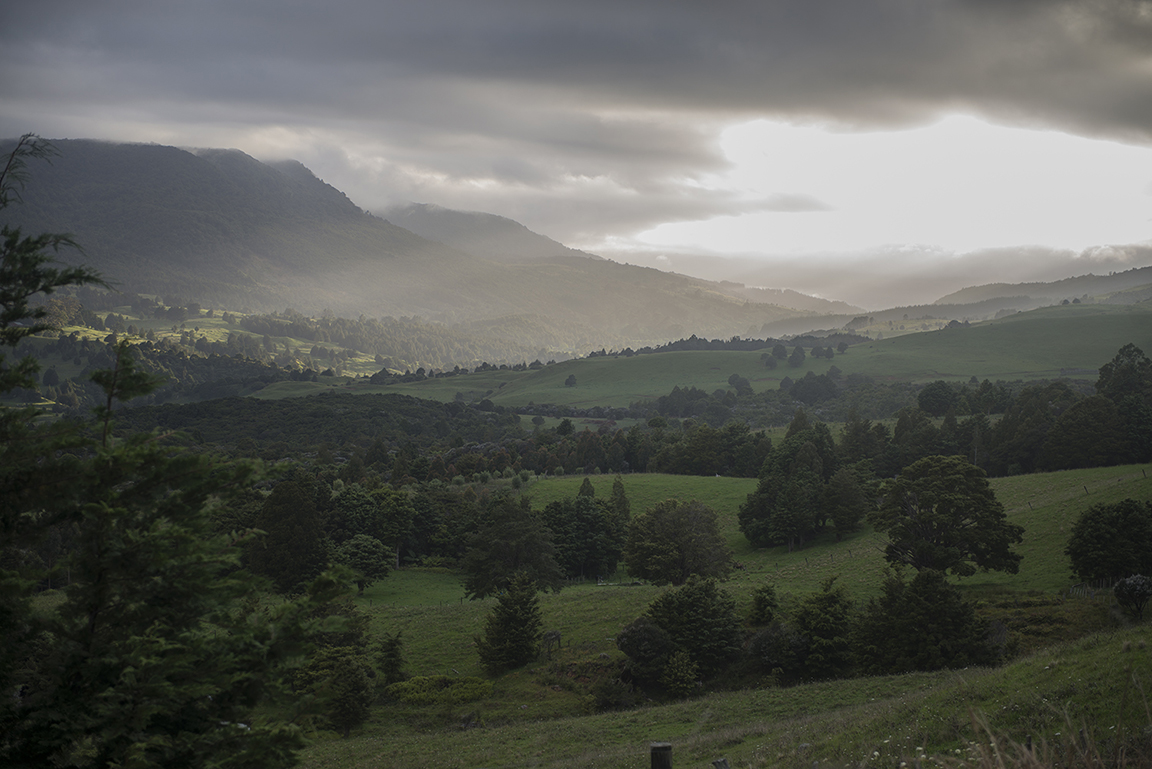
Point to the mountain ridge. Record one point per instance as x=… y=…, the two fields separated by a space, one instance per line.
x=489 y=236
x=1046 y=292
x=224 y=229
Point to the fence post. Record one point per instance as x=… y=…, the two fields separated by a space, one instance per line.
x=661 y=755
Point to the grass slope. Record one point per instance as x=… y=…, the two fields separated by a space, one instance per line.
x=534 y=718
x=1098 y=681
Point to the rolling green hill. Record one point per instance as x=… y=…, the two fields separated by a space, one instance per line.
x=1048 y=343
x=537 y=717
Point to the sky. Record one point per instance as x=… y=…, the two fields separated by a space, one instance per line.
x=880 y=152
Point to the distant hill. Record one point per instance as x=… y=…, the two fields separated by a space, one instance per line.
x=488 y=236
x=500 y=239
x=1084 y=287
x=223 y=229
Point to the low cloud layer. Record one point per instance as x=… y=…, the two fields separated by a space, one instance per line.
x=586 y=121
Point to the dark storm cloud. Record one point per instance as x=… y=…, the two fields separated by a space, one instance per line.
x=604 y=113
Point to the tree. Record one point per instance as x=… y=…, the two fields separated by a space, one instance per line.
x=824 y=619
x=742 y=385
x=152 y=655
x=586 y=489
x=570 y=381
x=1089 y=434
x=936 y=398
x=647 y=647
x=588 y=535
x=680 y=674
x=1133 y=594
x=1016 y=439
x=922 y=625
x=514 y=627
x=1128 y=373
x=1111 y=541
x=674 y=540
x=700 y=619
x=765 y=605
x=28 y=268
x=845 y=501
x=620 y=503
x=390 y=658
x=513 y=541
x=786 y=506
x=780 y=649
x=941 y=514
x=394 y=518
x=796 y=359
x=367 y=557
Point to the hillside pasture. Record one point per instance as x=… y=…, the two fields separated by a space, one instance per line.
x=1094 y=688
x=1071 y=341
x=538 y=716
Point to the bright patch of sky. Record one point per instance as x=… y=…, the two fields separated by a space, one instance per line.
x=960 y=184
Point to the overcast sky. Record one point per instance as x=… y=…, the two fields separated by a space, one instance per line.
x=827 y=141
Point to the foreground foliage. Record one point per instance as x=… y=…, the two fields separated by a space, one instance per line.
x=156 y=651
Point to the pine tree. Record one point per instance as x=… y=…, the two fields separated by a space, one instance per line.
x=514 y=628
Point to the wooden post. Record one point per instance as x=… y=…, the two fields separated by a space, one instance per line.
x=661 y=755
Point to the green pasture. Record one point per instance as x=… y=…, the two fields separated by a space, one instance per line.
x=538 y=717
x=1067 y=341
x=1096 y=687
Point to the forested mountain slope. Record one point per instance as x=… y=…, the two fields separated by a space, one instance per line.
x=222 y=229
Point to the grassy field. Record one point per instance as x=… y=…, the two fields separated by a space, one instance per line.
x=536 y=718
x=1097 y=684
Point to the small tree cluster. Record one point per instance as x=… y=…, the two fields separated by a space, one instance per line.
x=696 y=621
x=1111 y=541
x=675 y=540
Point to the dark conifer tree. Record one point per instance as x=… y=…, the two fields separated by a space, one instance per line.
x=514 y=627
